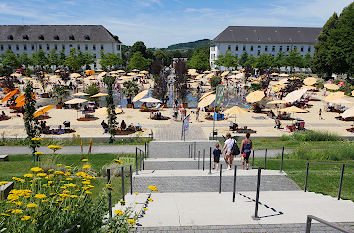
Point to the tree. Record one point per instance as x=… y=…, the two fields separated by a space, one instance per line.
x=39 y=59
x=74 y=61
x=181 y=79
x=264 y=61
x=307 y=61
x=138 y=46
x=61 y=58
x=227 y=60
x=130 y=90
x=86 y=59
x=10 y=61
x=53 y=58
x=243 y=59
x=160 y=86
x=110 y=61
x=321 y=59
x=111 y=113
x=200 y=59
x=251 y=61
x=31 y=123
x=92 y=90
x=177 y=53
x=24 y=60
x=60 y=92
x=156 y=67
x=139 y=62
x=163 y=56
x=279 y=60
x=294 y=59
x=215 y=81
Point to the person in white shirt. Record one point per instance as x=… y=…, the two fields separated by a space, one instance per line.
x=229 y=157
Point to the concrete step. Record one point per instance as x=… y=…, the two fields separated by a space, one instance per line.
x=183 y=163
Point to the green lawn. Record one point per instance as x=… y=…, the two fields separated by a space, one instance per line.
x=21 y=164
x=322 y=178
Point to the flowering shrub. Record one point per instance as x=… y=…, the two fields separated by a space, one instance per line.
x=54 y=148
x=51 y=201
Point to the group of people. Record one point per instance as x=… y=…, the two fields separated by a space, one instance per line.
x=231 y=150
x=123 y=126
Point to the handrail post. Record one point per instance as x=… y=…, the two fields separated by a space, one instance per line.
x=145 y=148
x=341 y=181
x=209 y=161
x=136 y=161
x=234 y=188
x=203 y=159
x=220 y=178
x=131 y=179
x=123 y=193
x=282 y=159
x=308 y=224
x=307 y=174
x=256 y=217
x=265 y=159
x=109 y=193
x=143 y=161
x=252 y=158
x=189 y=151
x=140 y=160
x=198 y=158
x=195 y=149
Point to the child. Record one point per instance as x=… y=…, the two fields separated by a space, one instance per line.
x=216 y=153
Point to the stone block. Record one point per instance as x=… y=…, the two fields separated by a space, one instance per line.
x=5 y=189
x=4 y=158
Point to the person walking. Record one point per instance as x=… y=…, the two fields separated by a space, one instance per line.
x=197 y=114
x=229 y=157
x=216 y=155
x=246 y=146
x=320 y=114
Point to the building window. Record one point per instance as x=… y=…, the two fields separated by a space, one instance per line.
x=302 y=48
x=273 y=48
x=40 y=46
x=212 y=48
x=309 y=49
x=70 y=45
x=295 y=47
x=95 y=56
x=236 y=48
x=78 y=47
x=63 y=47
x=71 y=37
x=102 y=46
x=266 y=48
x=17 y=47
x=48 y=48
x=87 y=37
x=86 y=47
x=1 y=47
x=251 y=47
x=41 y=37
x=244 y=48
x=259 y=46
x=25 y=37
x=24 y=47
x=9 y=47
x=32 y=47
x=55 y=47
x=94 y=65
x=287 y=48
x=10 y=37
x=118 y=46
x=94 y=47
x=259 y=52
x=281 y=48
x=229 y=47
x=56 y=37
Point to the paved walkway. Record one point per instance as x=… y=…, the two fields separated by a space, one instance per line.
x=119 y=149
x=168 y=132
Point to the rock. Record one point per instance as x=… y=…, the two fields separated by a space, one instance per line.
x=5 y=189
x=4 y=158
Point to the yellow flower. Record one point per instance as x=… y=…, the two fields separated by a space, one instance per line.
x=26 y=218
x=118 y=212
x=54 y=147
x=32 y=205
x=69 y=179
x=86 y=182
x=145 y=209
x=36 y=139
x=153 y=188
x=3 y=182
x=88 y=192
x=50 y=170
x=16 y=211
x=41 y=174
x=109 y=186
x=86 y=166
x=19 y=203
x=131 y=221
x=59 y=165
x=73 y=196
x=40 y=196
x=3 y=214
x=118 y=161
x=136 y=193
x=149 y=199
x=122 y=202
x=36 y=169
x=28 y=175
x=38 y=153
x=59 y=173
x=84 y=160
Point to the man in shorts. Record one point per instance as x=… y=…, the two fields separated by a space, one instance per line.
x=229 y=157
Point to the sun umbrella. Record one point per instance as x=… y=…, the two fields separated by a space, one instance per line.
x=99 y=95
x=283 y=75
x=150 y=100
x=131 y=74
x=89 y=72
x=126 y=77
x=103 y=111
x=20 y=98
x=140 y=75
x=334 y=96
x=43 y=110
x=140 y=95
x=352 y=92
x=144 y=72
x=209 y=76
x=9 y=95
x=308 y=87
x=225 y=73
x=277 y=102
x=75 y=101
x=206 y=101
x=114 y=72
x=255 y=96
x=341 y=101
x=235 y=110
x=200 y=76
x=20 y=103
x=331 y=86
x=99 y=70
x=16 y=74
x=27 y=78
x=75 y=75
x=283 y=81
x=293 y=109
x=120 y=71
x=274 y=74
x=101 y=74
x=80 y=94
x=206 y=94
x=235 y=72
x=310 y=81
x=348 y=113
x=135 y=70
x=294 y=95
x=207 y=72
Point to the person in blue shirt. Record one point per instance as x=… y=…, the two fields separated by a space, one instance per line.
x=246 y=146
x=216 y=154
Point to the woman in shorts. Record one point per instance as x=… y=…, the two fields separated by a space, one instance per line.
x=246 y=146
x=229 y=157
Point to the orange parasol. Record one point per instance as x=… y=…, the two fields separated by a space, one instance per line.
x=20 y=98
x=9 y=95
x=43 y=110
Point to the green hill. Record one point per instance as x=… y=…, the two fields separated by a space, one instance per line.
x=189 y=45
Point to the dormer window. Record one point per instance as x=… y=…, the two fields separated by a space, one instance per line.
x=87 y=37
x=41 y=37
x=56 y=37
x=71 y=37
x=25 y=37
x=10 y=37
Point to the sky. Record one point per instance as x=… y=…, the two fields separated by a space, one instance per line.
x=160 y=23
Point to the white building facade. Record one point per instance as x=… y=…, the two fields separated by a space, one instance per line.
x=259 y=40
x=32 y=38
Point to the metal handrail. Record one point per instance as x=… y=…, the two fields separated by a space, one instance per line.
x=136 y=159
x=310 y=217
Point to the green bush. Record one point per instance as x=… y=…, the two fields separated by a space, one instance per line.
x=315 y=136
